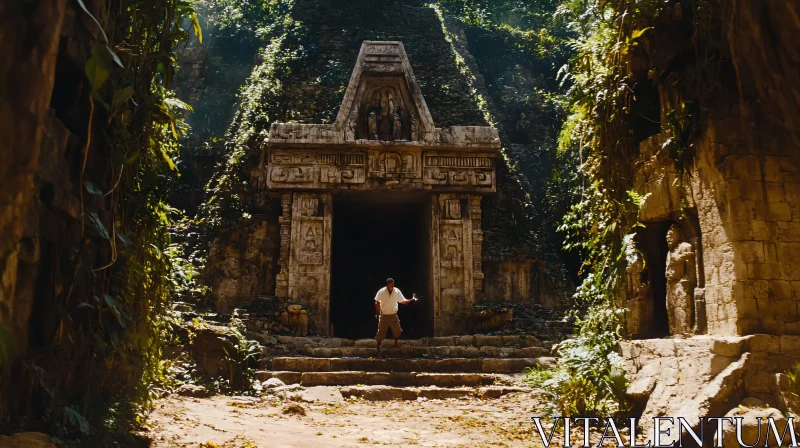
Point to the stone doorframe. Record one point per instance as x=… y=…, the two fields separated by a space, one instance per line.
x=456 y=243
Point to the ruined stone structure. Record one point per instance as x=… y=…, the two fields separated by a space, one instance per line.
x=721 y=300
x=383 y=144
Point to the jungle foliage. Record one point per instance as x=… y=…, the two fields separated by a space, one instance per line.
x=93 y=375
x=608 y=80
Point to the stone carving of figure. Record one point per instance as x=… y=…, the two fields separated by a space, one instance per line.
x=372 y=124
x=391 y=101
x=414 y=128
x=352 y=126
x=681 y=281
x=638 y=295
x=397 y=125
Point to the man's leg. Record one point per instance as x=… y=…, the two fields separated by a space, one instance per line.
x=383 y=326
x=396 y=330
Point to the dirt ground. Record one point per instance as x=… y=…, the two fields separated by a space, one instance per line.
x=237 y=422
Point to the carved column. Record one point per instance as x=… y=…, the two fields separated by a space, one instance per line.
x=285 y=221
x=477 y=242
x=453 y=262
x=310 y=256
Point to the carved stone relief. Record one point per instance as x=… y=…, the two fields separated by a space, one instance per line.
x=477 y=242
x=459 y=171
x=285 y=221
x=681 y=281
x=387 y=111
x=391 y=164
x=454 y=254
x=309 y=255
x=314 y=168
x=639 y=297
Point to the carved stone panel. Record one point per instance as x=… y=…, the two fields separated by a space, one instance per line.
x=453 y=252
x=310 y=255
x=394 y=164
x=475 y=171
x=315 y=169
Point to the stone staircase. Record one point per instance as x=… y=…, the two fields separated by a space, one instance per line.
x=440 y=367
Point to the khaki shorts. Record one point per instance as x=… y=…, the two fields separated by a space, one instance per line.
x=385 y=322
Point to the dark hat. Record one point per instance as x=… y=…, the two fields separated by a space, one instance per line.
x=389 y=280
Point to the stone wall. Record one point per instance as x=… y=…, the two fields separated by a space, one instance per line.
x=247 y=252
x=749 y=226
x=737 y=203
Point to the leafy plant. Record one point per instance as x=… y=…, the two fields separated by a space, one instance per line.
x=590 y=379
x=240 y=363
x=794 y=375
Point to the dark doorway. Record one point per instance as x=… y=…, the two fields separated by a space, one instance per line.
x=375 y=237
x=652 y=240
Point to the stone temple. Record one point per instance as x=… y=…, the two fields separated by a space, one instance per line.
x=381 y=192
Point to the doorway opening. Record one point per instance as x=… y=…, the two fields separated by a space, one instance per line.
x=376 y=237
x=652 y=240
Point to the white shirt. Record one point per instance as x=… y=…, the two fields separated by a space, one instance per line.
x=389 y=300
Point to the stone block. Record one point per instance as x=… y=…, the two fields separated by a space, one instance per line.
x=441 y=351
x=530 y=341
x=788 y=252
x=751 y=426
x=764 y=271
x=364 y=342
x=762 y=343
x=481 y=341
x=789 y=271
x=773 y=211
x=751 y=252
x=534 y=352
x=443 y=341
x=512 y=365
x=472 y=352
x=457 y=351
x=288 y=377
x=454 y=365
x=443 y=394
x=790 y=345
x=332 y=342
x=449 y=380
x=724 y=347
x=765 y=230
x=466 y=340
x=788 y=231
x=640 y=389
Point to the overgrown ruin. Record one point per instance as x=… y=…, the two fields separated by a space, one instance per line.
x=383 y=148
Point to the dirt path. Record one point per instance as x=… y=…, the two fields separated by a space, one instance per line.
x=237 y=421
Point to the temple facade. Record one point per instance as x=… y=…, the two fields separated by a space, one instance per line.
x=383 y=148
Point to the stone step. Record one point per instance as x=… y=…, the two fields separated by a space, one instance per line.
x=461 y=365
x=386 y=393
x=487 y=351
x=395 y=379
x=517 y=341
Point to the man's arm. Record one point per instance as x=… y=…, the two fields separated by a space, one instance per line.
x=377 y=303
x=403 y=301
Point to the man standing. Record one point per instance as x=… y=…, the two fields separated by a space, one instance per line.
x=386 y=306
